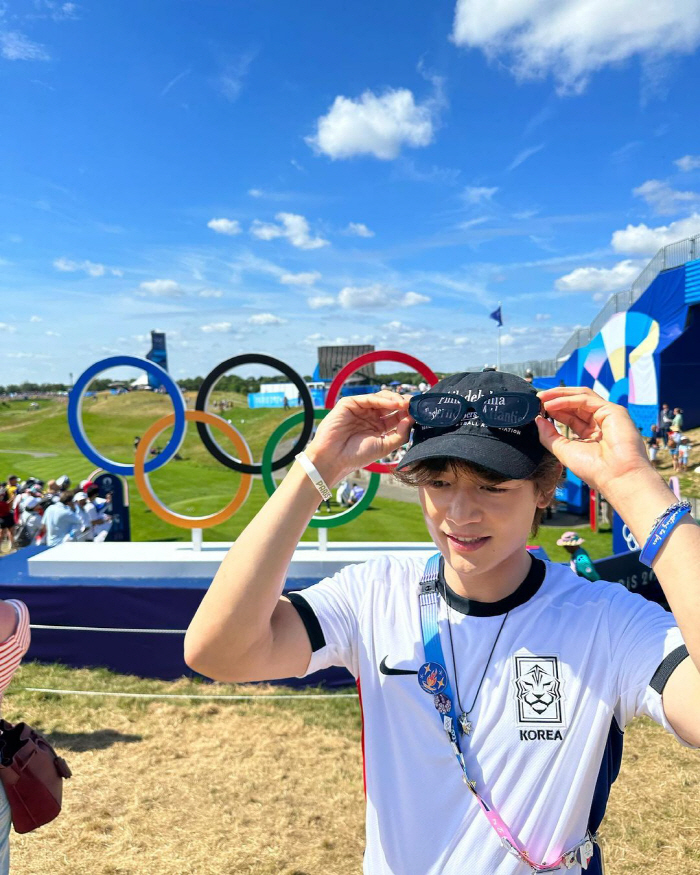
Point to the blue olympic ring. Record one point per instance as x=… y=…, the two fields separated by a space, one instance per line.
x=75 y=414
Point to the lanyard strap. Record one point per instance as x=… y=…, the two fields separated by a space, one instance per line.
x=434 y=679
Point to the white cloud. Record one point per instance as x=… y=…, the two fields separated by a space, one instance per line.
x=541 y=317
x=35 y=319
x=522 y=157
x=210 y=293
x=307 y=278
x=8 y=328
x=376 y=125
x=507 y=340
x=230 y=227
x=162 y=288
x=294 y=227
x=571 y=39
x=320 y=301
x=65 y=265
x=358 y=229
x=462 y=341
x=478 y=194
x=52 y=334
x=601 y=279
x=410 y=299
x=376 y=296
x=17 y=47
x=265 y=319
x=688 y=162
x=256 y=192
x=230 y=80
x=216 y=328
x=663 y=199
x=642 y=240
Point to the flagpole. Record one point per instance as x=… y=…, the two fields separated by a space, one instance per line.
x=498 y=355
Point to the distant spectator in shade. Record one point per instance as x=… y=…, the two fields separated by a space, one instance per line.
x=61 y=521
x=674 y=440
x=663 y=422
x=684 y=454
x=677 y=422
x=529 y=376
x=653 y=445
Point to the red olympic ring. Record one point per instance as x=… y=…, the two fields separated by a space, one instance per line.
x=379 y=355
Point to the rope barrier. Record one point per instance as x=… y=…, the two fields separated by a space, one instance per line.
x=192 y=695
x=108 y=629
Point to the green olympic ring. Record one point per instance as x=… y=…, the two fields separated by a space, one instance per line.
x=316 y=522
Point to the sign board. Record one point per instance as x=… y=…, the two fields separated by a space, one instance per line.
x=625 y=568
x=121 y=522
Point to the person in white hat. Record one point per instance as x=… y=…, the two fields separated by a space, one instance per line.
x=581 y=563
x=80 y=500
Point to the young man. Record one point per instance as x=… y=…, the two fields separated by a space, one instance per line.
x=537 y=671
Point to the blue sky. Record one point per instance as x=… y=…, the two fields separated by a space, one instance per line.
x=270 y=177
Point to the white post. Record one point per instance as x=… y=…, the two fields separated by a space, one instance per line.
x=197 y=540
x=498 y=353
x=323 y=540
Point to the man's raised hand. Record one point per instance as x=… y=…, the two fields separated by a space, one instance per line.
x=609 y=447
x=358 y=431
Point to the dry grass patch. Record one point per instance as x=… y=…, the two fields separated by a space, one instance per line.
x=256 y=788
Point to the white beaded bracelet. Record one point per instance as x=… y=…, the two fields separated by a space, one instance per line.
x=314 y=476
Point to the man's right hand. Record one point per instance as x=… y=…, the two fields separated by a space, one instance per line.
x=358 y=431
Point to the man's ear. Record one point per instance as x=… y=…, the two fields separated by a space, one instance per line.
x=544 y=499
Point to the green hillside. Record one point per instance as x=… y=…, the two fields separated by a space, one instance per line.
x=37 y=443
x=195 y=486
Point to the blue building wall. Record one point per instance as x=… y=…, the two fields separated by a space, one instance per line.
x=646 y=355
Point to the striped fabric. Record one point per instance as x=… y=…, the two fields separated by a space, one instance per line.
x=13 y=649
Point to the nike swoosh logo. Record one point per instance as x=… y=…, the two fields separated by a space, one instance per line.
x=384 y=669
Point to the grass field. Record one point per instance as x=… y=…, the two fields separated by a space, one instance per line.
x=198 y=484
x=265 y=787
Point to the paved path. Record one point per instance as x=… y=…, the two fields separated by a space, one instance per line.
x=29 y=453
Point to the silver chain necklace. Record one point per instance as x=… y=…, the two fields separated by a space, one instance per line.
x=465 y=723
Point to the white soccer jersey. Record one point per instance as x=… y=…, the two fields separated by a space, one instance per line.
x=574 y=663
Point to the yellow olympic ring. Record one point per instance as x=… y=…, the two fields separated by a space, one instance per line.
x=144 y=485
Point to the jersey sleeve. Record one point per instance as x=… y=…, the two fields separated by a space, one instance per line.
x=646 y=647
x=330 y=611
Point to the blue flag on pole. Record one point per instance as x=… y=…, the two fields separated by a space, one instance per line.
x=497 y=316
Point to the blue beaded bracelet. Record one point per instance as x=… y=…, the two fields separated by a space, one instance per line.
x=662 y=528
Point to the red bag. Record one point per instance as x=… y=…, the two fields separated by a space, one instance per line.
x=32 y=774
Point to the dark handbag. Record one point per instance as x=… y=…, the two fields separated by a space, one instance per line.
x=32 y=774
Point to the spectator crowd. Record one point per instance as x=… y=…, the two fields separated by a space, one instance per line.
x=33 y=512
x=667 y=434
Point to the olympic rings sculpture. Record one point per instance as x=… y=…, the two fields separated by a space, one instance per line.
x=205 y=421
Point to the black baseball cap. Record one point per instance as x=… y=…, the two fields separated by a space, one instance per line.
x=512 y=452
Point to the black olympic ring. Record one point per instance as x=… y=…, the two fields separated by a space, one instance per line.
x=203 y=397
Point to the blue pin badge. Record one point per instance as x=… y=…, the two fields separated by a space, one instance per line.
x=432 y=678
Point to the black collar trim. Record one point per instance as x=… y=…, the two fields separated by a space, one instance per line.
x=527 y=589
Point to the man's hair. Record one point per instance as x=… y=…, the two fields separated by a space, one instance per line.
x=66 y=496
x=546 y=476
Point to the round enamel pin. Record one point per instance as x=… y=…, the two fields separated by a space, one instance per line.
x=432 y=678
